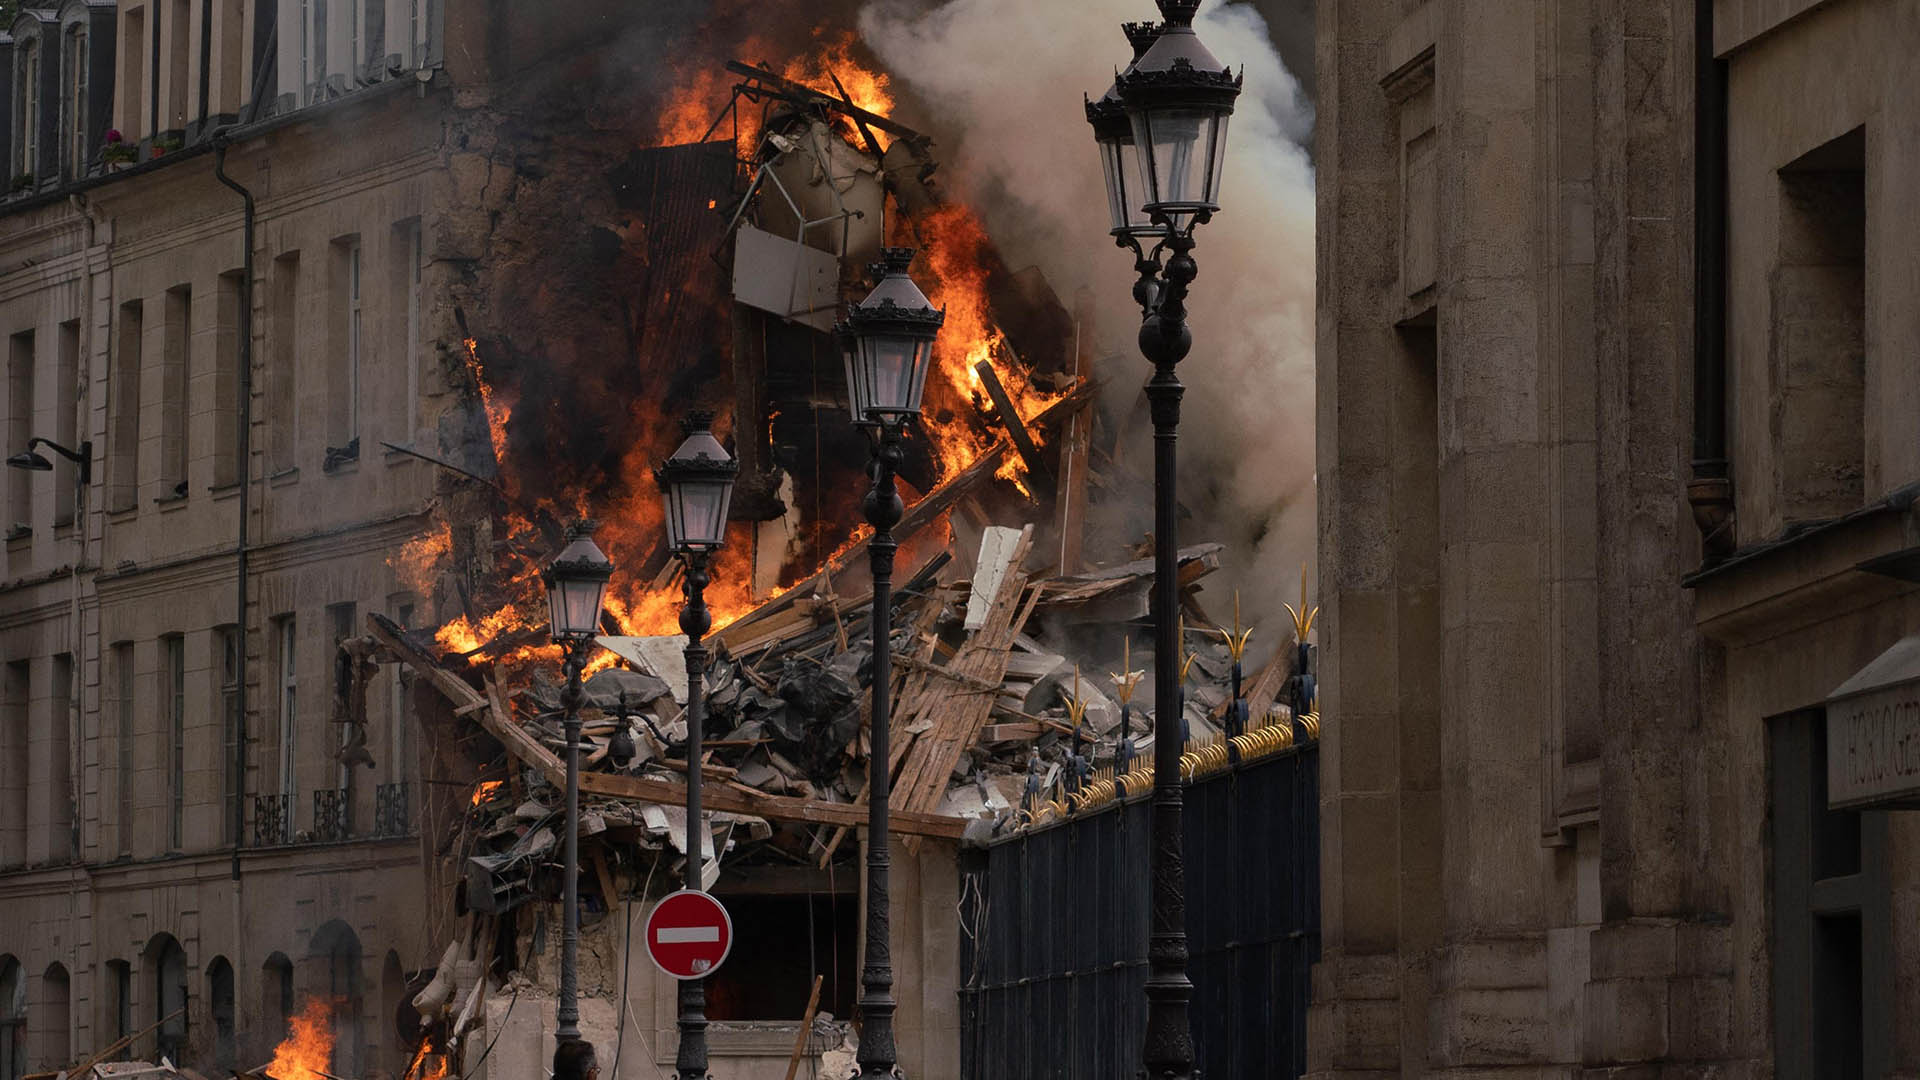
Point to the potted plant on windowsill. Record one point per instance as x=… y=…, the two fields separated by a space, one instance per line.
x=117 y=154
x=22 y=183
x=163 y=144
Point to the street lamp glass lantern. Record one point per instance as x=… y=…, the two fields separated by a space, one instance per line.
x=1120 y=162
x=1178 y=99
x=887 y=343
x=696 y=484
x=577 y=586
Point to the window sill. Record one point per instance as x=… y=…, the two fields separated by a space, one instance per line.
x=284 y=477
x=117 y=514
x=223 y=492
x=19 y=537
x=340 y=459
x=397 y=455
x=170 y=503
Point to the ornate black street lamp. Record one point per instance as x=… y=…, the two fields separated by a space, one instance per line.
x=1177 y=99
x=888 y=342
x=576 y=588
x=697 y=485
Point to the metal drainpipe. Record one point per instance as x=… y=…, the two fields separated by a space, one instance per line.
x=1711 y=488
x=244 y=451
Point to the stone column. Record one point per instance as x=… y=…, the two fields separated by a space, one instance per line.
x=1659 y=989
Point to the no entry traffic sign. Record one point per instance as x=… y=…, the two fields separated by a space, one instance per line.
x=688 y=934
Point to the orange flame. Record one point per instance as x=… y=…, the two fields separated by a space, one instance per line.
x=702 y=85
x=955 y=263
x=486 y=790
x=955 y=253
x=420 y=1068
x=418 y=562
x=499 y=410
x=307 y=1051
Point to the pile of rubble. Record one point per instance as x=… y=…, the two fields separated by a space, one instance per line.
x=1014 y=703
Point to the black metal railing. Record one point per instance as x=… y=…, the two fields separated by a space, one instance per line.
x=391 y=810
x=1054 y=932
x=332 y=817
x=272 y=820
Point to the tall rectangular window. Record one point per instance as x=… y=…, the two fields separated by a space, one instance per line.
x=175 y=368
x=66 y=418
x=226 y=380
x=119 y=999
x=406 y=283
x=283 y=326
x=132 y=84
x=289 y=701
x=1832 y=916
x=369 y=35
x=14 y=695
x=26 y=112
x=315 y=53
x=173 y=667
x=123 y=743
x=180 y=52
x=73 y=99
x=123 y=410
x=19 y=430
x=59 y=786
x=229 y=641
x=343 y=386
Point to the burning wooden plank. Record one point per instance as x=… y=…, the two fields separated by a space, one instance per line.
x=1015 y=427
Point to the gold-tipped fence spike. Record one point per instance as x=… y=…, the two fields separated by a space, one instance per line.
x=1236 y=638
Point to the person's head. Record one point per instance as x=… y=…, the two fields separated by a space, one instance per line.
x=574 y=1060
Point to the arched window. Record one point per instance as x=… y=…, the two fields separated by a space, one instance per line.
x=335 y=956
x=165 y=963
x=276 y=998
x=13 y=1019
x=220 y=1002
x=396 y=1004
x=56 y=1018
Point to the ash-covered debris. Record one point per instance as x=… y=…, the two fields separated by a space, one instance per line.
x=1033 y=712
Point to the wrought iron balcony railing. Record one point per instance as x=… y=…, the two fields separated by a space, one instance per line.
x=332 y=815
x=272 y=820
x=392 y=813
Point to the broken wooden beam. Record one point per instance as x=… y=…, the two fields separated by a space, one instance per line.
x=807 y=94
x=1016 y=427
x=772 y=807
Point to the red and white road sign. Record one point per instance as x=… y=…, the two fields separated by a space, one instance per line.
x=688 y=934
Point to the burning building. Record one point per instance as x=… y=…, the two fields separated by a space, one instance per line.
x=351 y=317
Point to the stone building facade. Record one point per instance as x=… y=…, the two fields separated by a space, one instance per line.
x=1616 y=454
x=179 y=837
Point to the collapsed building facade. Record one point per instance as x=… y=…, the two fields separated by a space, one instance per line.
x=352 y=318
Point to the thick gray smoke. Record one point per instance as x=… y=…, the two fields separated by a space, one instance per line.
x=1006 y=79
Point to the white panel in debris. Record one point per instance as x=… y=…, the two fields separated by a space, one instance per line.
x=785 y=278
x=664 y=658
x=996 y=552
